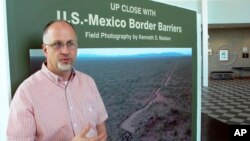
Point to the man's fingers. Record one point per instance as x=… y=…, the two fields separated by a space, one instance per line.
x=101 y=137
x=84 y=131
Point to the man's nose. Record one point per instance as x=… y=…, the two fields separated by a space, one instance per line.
x=65 y=49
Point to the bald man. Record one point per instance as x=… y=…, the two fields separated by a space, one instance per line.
x=58 y=103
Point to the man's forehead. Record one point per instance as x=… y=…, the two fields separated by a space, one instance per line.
x=60 y=31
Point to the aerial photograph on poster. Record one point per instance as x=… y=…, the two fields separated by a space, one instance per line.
x=147 y=91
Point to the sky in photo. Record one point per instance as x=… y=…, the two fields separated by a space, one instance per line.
x=122 y=51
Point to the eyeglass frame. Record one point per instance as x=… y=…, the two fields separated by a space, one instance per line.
x=58 y=45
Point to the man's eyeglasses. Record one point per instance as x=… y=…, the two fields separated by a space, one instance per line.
x=59 y=45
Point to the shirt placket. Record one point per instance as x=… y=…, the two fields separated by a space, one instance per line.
x=71 y=108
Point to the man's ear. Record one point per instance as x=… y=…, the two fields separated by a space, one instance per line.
x=44 y=48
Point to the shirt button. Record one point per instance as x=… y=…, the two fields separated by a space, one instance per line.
x=75 y=125
x=90 y=109
x=70 y=107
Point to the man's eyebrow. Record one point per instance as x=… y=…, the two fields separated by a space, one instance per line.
x=57 y=41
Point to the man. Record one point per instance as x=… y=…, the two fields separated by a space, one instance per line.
x=57 y=103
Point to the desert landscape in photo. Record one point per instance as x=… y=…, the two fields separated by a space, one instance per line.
x=148 y=97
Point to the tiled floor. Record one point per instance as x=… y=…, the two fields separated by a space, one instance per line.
x=228 y=101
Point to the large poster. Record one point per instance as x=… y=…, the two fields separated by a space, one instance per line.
x=142 y=55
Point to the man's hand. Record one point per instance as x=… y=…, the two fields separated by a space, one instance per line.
x=82 y=136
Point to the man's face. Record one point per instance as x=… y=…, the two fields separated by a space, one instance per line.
x=59 y=47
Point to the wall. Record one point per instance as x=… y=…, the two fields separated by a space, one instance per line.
x=228 y=11
x=4 y=73
x=191 y=4
x=233 y=39
x=219 y=11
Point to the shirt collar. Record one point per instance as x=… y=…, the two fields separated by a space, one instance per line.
x=53 y=76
